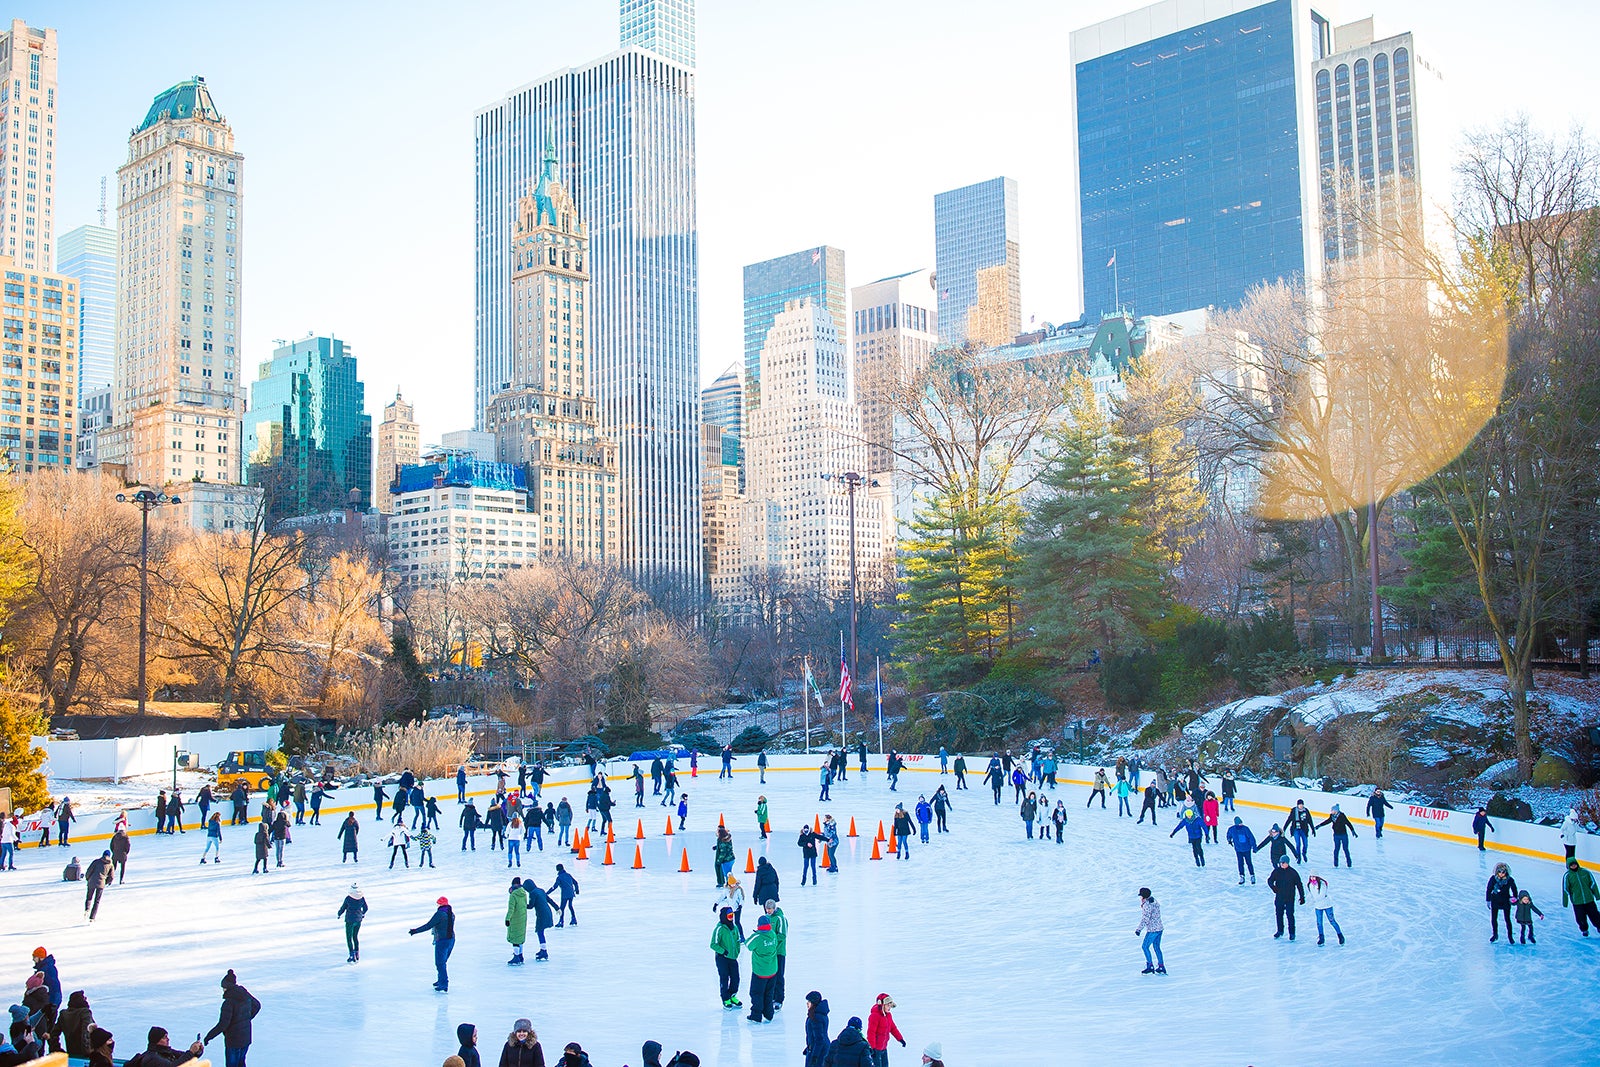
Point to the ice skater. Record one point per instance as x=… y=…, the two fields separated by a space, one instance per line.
x=725 y=945
x=1150 y=926
x=1276 y=844
x=564 y=892
x=924 y=812
x=1244 y=847
x=902 y=830
x=761 y=816
x=722 y=853
x=469 y=826
x=213 y=838
x=263 y=843
x=379 y=795
x=564 y=823
x=1058 y=818
x=683 y=811
x=763 y=946
x=399 y=845
x=732 y=896
x=1481 y=825
x=516 y=921
x=349 y=831
x=1123 y=790
x=1211 y=812
x=941 y=809
x=996 y=777
x=1285 y=884
x=352 y=911
x=766 y=883
x=1526 y=910
x=830 y=835
x=1377 y=804
x=825 y=777
x=1321 y=901
x=1151 y=794
x=514 y=830
x=1578 y=889
x=1196 y=826
x=1101 y=784
x=881 y=1027
x=1342 y=832
x=1302 y=827
x=960 y=767
x=1500 y=892
x=1028 y=811
x=442 y=925
x=233 y=1021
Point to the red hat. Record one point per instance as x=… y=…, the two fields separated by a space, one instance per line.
x=442 y=901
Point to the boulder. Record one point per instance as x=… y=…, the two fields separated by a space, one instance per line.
x=1501 y=806
x=1552 y=770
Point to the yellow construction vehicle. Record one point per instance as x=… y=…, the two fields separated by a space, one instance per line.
x=247 y=767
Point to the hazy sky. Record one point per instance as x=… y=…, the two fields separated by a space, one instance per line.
x=820 y=121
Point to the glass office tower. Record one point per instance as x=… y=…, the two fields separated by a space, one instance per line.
x=974 y=231
x=307 y=436
x=89 y=254
x=816 y=274
x=1195 y=179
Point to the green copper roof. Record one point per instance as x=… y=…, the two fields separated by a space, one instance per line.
x=186 y=100
x=544 y=208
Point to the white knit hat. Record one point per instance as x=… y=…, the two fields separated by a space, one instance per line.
x=934 y=1051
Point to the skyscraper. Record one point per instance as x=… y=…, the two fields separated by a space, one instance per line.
x=1195 y=180
x=308 y=437
x=177 y=399
x=546 y=422
x=28 y=143
x=624 y=133
x=665 y=27
x=977 y=263
x=399 y=445
x=38 y=368
x=722 y=404
x=815 y=275
x=896 y=330
x=89 y=254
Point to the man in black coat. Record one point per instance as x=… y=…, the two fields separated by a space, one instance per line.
x=766 y=887
x=98 y=877
x=657 y=771
x=160 y=1053
x=241 y=804
x=121 y=845
x=850 y=1048
x=233 y=1022
x=1285 y=883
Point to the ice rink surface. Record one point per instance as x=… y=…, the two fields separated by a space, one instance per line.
x=1006 y=950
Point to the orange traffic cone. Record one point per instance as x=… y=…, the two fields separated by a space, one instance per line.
x=880 y=831
x=583 y=850
x=825 y=861
x=684 y=865
x=587 y=841
x=669 y=826
x=608 y=861
x=877 y=855
x=638 y=835
x=766 y=827
x=816 y=824
x=720 y=822
x=892 y=848
x=611 y=833
x=638 y=858
x=749 y=861
x=852 y=832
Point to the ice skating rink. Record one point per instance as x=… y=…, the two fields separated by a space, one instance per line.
x=1006 y=950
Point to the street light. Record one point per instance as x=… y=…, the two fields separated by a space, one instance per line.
x=145 y=500
x=852 y=482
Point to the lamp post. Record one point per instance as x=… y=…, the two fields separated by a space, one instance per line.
x=852 y=482
x=145 y=500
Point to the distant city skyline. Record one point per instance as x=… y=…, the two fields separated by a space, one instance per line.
x=868 y=195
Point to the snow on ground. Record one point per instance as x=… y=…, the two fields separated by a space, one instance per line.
x=1006 y=950
x=91 y=797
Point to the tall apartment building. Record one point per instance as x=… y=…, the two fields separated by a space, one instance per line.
x=548 y=422
x=624 y=133
x=38 y=368
x=720 y=502
x=399 y=445
x=28 y=144
x=665 y=27
x=307 y=436
x=459 y=518
x=89 y=254
x=94 y=416
x=977 y=263
x=813 y=274
x=177 y=400
x=1241 y=119
x=795 y=521
x=896 y=322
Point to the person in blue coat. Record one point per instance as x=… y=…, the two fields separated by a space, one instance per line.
x=461 y=784
x=1244 y=847
x=850 y=1048
x=543 y=916
x=233 y=1022
x=1377 y=804
x=442 y=925
x=924 y=817
x=565 y=890
x=816 y=1050
x=1192 y=822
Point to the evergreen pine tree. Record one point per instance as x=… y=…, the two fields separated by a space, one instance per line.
x=19 y=760
x=414 y=692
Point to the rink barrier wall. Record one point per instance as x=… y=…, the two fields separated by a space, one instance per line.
x=1528 y=840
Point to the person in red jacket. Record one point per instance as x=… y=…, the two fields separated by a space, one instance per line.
x=880 y=1028
x=1211 y=811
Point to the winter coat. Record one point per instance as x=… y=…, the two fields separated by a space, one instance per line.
x=1211 y=811
x=564 y=813
x=469 y=817
x=1241 y=838
x=725 y=940
x=121 y=845
x=732 y=896
x=1377 y=804
x=1285 y=883
x=766 y=887
x=1578 y=887
x=849 y=1049
x=1192 y=822
x=517 y=916
x=1500 y=892
x=1277 y=847
x=399 y=837
x=442 y=925
x=73 y=1025
x=902 y=824
x=1300 y=819
x=263 y=840
x=761 y=813
x=830 y=830
x=495 y=820
x=1059 y=816
x=1569 y=830
x=924 y=812
x=98 y=876
x=1028 y=810
x=808 y=843
x=941 y=803
x=1526 y=909
x=280 y=827
x=1229 y=787
x=353 y=909
x=1149 y=917
x=1101 y=781
x=233 y=1023
x=763 y=946
x=816 y=1049
x=1318 y=895
x=543 y=913
x=156 y=1056
x=880 y=1026
x=723 y=853
x=1341 y=824
x=52 y=978
x=566 y=886
x=521 y=1053
x=347 y=834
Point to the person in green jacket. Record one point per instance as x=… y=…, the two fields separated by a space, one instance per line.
x=516 y=921
x=761 y=816
x=780 y=930
x=1578 y=888
x=763 y=970
x=725 y=949
x=723 y=854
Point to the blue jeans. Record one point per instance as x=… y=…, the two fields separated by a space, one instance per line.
x=234 y=1057
x=513 y=851
x=1227 y=802
x=1331 y=922
x=1341 y=841
x=1302 y=845
x=7 y=861
x=441 y=954
x=531 y=834
x=924 y=827
x=1152 y=940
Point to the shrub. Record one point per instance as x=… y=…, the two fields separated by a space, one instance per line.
x=751 y=739
x=1129 y=681
x=1162 y=724
x=19 y=760
x=277 y=762
x=691 y=736
x=625 y=737
x=431 y=748
x=1365 y=751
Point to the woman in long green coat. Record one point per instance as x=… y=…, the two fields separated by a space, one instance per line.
x=516 y=921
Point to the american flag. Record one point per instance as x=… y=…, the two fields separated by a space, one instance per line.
x=816 y=255
x=846 y=694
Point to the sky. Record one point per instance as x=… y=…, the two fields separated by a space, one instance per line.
x=819 y=122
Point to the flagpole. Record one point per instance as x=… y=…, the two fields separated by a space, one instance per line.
x=880 y=705
x=842 y=743
x=805 y=700
x=1116 y=284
